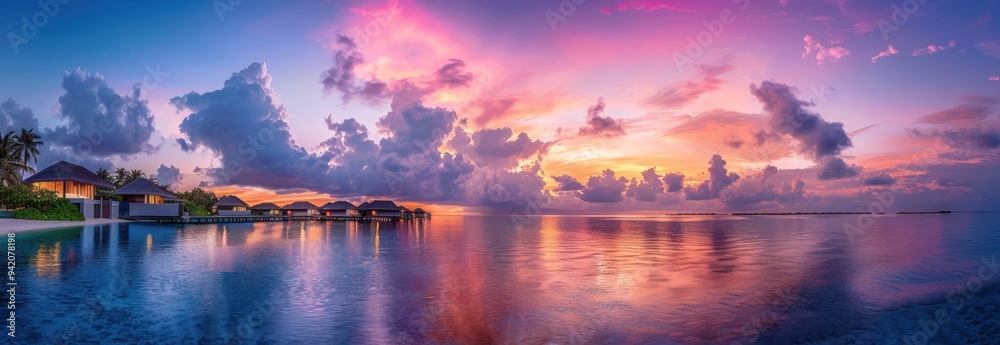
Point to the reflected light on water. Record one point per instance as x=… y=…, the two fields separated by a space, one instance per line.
x=47 y=260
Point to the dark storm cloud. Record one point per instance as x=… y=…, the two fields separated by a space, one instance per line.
x=882 y=179
x=604 y=188
x=167 y=175
x=603 y=126
x=567 y=183
x=13 y=117
x=818 y=139
x=99 y=121
x=718 y=179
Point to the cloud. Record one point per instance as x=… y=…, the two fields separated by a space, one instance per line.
x=834 y=168
x=755 y=189
x=719 y=178
x=976 y=138
x=604 y=188
x=884 y=54
x=821 y=52
x=674 y=182
x=99 y=121
x=341 y=76
x=882 y=179
x=680 y=95
x=991 y=48
x=648 y=189
x=168 y=175
x=497 y=148
x=13 y=117
x=567 y=183
x=931 y=49
x=818 y=139
x=601 y=126
x=646 y=5
x=967 y=112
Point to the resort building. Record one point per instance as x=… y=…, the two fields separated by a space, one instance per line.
x=405 y=213
x=265 y=209
x=77 y=184
x=231 y=206
x=380 y=208
x=419 y=213
x=339 y=208
x=300 y=208
x=145 y=199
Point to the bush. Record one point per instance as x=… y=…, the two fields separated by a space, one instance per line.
x=37 y=204
x=29 y=213
x=195 y=210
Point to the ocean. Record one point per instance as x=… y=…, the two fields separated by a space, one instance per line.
x=887 y=279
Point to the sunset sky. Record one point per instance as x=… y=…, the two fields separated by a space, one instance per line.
x=522 y=106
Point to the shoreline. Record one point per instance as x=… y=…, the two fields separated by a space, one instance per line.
x=19 y=226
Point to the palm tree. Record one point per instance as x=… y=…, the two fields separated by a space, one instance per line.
x=120 y=176
x=11 y=164
x=104 y=174
x=26 y=147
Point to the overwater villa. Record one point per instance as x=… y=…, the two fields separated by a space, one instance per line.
x=300 y=208
x=265 y=209
x=405 y=212
x=339 y=209
x=380 y=208
x=77 y=184
x=145 y=199
x=231 y=206
x=419 y=213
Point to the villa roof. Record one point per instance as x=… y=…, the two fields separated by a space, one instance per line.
x=65 y=171
x=141 y=186
x=419 y=210
x=379 y=205
x=338 y=206
x=231 y=200
x=403 y=208
x=267 y=206
x=300 y=205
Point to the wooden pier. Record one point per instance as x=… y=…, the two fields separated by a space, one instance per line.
x=264 y=218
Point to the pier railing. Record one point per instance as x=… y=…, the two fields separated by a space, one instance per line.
x=262 y=218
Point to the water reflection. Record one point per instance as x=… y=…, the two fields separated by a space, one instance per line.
x=495 y=279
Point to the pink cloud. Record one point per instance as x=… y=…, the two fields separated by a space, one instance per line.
x=995 y=78
x=646 y=5
x=887 y=53
x=931 y=49
x=822 y=52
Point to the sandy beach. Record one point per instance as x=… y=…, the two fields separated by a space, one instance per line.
x=19 y=225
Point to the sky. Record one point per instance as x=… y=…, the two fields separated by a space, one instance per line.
x=523 y=107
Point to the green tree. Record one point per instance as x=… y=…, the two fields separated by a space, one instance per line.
x=121 y=175
x=11 y=164
x=26 y=147
x=199 y=197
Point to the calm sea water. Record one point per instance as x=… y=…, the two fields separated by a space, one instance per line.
x=482 y=280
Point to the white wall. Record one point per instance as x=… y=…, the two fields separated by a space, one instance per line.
x=228 y=213
x=154 y=210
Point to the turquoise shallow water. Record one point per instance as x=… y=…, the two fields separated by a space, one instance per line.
x=472 y=279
